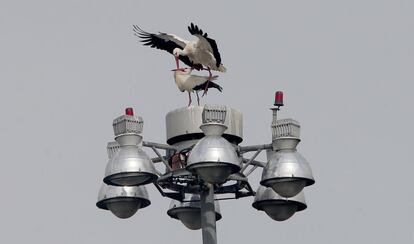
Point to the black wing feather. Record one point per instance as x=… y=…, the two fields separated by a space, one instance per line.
x=210 y=85
x=155 y=41
x=194 y=30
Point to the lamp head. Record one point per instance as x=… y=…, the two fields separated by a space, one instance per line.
x=213 y=158
x=189 y=211
x=124 y=201
x=128 y=165
x=287 y=172
x=276 y=206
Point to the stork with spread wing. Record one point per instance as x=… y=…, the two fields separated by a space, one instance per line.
x=200 y=54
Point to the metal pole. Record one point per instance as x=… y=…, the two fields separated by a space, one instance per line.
x=162 y=158
x=254 y=148
x=250 y=161
x=208 y=215
x=158 y=145
x=254 y=162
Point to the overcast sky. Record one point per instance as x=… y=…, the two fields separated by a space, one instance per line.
x=68 y=68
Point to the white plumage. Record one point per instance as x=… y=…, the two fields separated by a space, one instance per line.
x=185 y=81
x=199 y=54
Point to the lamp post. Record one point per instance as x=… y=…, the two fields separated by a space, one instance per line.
x=203 y=160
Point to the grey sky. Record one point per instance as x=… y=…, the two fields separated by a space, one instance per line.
x=67 y=68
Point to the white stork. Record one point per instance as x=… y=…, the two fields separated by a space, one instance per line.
x=187 y=82
x=199 y=54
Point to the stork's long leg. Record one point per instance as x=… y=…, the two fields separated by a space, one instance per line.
x=208 y=81
x=198 y=98
x=189 y=99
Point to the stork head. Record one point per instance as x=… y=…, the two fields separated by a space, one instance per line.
x=183 y=71
x=177 y=52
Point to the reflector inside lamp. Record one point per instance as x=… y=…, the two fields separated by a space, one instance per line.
x=129 y=178
x=279 y=211
x=214 y=173
x=287 y=187
x=123 y=208
x=190 y=217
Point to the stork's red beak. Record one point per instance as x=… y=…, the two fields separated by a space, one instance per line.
x=177 y=62
x=180 y=69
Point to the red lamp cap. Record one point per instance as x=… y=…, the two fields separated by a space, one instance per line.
x=129 y=111
x=279 y=98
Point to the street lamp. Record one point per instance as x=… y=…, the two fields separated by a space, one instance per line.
x=189 y=211
x=276 y=206
x=213 y=158
x=122 y=201
x=287 y=171
x=204 y=163
x=130 y=166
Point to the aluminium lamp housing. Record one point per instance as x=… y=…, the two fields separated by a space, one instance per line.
x=287 y=171
x=213 y=158
x=130 y=166
x=122 y=201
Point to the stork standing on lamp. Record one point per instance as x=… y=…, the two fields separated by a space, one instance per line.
x=201 y=54
x=187 y=82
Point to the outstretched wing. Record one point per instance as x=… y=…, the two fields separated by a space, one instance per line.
x=207 y=42
x=163 y=41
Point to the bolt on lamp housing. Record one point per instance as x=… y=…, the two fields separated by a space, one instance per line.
x=287 y=171
x=130 y=165
x=189 y=211
x=213 y=158
x=276 y=206
x=122 y=201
